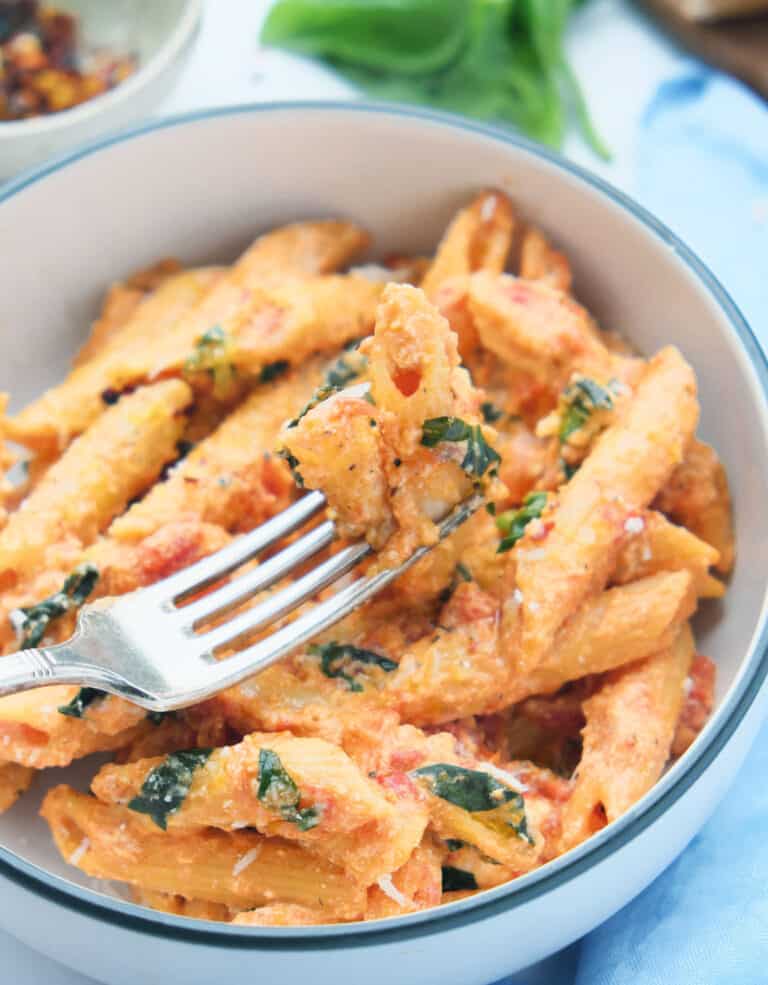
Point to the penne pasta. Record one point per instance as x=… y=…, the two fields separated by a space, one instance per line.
x=50 y=423
x=94 y=480
x=35 y=733
x=303 y=790
x=14 y=781
x=479 y=238
x=540 y=262
x=569 y=554
x=234 y=869
x=195 y=908
x=698 y=497
x=660 y=545
x=280 y=915
x=417 y=448
x=537 y=329
x=416 y=885
x=463 y=668
x=630 y=725
x=514 y=690
x=120 y=302
x=232 y=478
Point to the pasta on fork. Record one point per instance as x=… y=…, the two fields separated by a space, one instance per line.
x=519 y=688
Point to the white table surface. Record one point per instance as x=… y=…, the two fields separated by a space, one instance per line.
x=619 y=57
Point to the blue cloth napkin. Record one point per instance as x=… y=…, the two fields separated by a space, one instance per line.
x=703 y=170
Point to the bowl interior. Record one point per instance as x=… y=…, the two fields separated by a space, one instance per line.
x=138 y=27
x=202 y=189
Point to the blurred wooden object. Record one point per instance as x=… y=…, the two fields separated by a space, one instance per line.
x=713 y=10
x=739 y=46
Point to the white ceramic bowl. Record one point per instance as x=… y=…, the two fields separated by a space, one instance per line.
x=201 y=187
x=160 y=32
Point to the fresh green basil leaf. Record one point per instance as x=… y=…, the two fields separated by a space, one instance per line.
x=460 y=573
x=293 y=465
x=211 y=355
x=472 y=790
x=499 y=60
x=348 y=662
x=477 y=793
x=343 y=371
x=413 y=37
x=273 y=371
x=512 y=523
x=581 y=400
x=82 y=700
x=31 y=622
x=490 y=412
x=166 y=787
x=479 y=455
x=278 y=792
x=455 y=879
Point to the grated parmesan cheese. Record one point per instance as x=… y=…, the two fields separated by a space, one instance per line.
x=387 y=887
x=534 y=606
x=517 y=597
x=356 y=390
x=634 y=524
x=503 y=776
x=687 y=686
x=78 y=853
x=245 y=860
x=488 y=208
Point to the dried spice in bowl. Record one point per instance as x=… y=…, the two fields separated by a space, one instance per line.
x=44 y=67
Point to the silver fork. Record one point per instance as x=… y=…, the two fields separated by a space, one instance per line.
x=145 y=647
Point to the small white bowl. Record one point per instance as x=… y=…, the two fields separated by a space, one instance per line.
x=201 y=187
x=159 y=32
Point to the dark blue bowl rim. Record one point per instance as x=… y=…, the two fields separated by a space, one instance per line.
x=506 y=898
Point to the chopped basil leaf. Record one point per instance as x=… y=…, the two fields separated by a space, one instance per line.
x=581 y=399
x=490 y=412
x=166 y=788
x=479 y=455
x=31 y=622
x=278 y=792
x=457 y=879
x=460 y=573
x=346 y=368
x=339 y=660
x=513 y=522
x=211 y=355
x=84 y=697
x=293 y=465
x=183 y=448
x=463 y=572
x=158 y=717
x=476 y=792
x=273 y=371
x=110 y=396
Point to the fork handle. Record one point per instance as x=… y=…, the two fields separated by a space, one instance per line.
x=33 y=668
